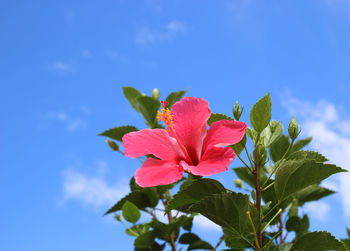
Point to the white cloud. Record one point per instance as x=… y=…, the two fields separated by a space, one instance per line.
x=71 y=123
x=318 y=210
x=92 y=190
x=329 y=127
x=61 y=67
x=203 y=223
x=116 y=56
x=86 y=53
x=146 y=35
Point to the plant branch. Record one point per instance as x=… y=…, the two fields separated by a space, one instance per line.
x=258 y=204
x=170 y=218
x=220 y=241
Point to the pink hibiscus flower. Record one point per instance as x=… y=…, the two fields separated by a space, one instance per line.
x=186 y=145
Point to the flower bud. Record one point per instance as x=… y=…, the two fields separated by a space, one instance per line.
x=155 y=93
x=237 y=111
x=260 y=155
x=293 y=129
x=112 y=145
x=238 y=183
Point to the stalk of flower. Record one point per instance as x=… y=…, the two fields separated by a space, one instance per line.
x=186 y=145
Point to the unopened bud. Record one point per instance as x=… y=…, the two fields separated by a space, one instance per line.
x=237 y=111
x=155 y=94
x=238 y=183
x=293 y=129
x=260 y=155
x=112 y=145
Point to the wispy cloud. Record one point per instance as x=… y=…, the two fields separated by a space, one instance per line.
x=318 y=209
x=116 y=56
x=172 y=29
x=92 y=190
x=86 y=53
x=61 y=67
x=70 y=122
x=329 y=126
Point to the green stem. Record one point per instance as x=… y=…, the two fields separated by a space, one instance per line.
x=244 y=163
x=131 y=231
x=279 y=211
x=279 y=163
x=254 y=231
x=250 y=161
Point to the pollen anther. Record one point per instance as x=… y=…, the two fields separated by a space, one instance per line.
x=166 y=116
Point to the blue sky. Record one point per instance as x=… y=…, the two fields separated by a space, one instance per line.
x=62 y=65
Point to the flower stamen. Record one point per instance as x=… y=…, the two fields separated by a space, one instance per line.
x=166 y=116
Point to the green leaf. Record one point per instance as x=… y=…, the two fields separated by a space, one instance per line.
x=144 y=240
x=278 y=149
x=235 y=241
x=173 y=97
x=146 y=197
x=301 y=144
x=200 y=244
x=214 y=117
x=131 y=95
x=226 y=209
x=238 y=148
x=304 y=155
x=346 y=244
x=260 y=114
x=312 y=193
x=130 y=212
x=187 y=225
x=118 y=132
x=298 y=225
x=133 y=186
x=316 y=241
x=252 y=134
x=188 y=238
x=293 y=176
x=285 y=247
x=148 y=107
x=272 y=132
x=348 y=232
x=194 y=192
x=136 y=230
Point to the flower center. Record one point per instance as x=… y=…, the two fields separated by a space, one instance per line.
x=167 y=118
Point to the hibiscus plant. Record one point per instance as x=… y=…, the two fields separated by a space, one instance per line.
x=185 y=143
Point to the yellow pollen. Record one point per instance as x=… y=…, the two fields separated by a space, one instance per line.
x=166 y=116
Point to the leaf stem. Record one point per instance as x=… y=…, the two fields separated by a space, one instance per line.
x=281 y=227
x=244 y=163
x=250 y=161
x=268 y=224
x=279 y=163
x=253 y=228
x=128 y=228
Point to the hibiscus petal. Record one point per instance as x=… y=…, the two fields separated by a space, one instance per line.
x=155 y=172
x=190 y=120
x=224 y=133
x=214 y=160
x=152 y=141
